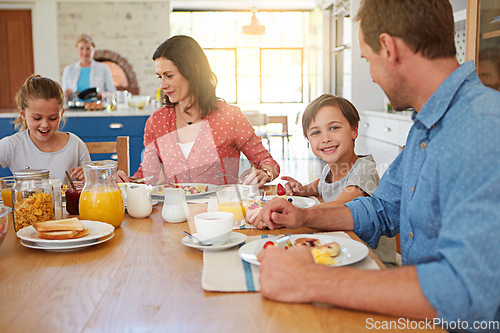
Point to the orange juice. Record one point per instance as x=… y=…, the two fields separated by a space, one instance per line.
x=7 y=196
x=239 y=210
x=103 y=204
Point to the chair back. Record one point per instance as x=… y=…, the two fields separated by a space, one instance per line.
x=120 y=147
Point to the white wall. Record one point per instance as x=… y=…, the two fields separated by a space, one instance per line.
x=365 y=94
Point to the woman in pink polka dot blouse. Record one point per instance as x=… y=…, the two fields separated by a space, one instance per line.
x=197 y=137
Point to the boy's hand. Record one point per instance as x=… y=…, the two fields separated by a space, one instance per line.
x=77 y=173
x=293 y=187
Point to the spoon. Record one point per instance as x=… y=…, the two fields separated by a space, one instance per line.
x=204 y=243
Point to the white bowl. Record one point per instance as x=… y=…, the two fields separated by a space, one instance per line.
x=138 y=101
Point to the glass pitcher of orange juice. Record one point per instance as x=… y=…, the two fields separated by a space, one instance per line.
x=101 y=198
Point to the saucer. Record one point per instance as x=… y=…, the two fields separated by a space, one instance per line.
x=235 y=238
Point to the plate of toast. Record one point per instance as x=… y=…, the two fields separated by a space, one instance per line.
x=65 y=234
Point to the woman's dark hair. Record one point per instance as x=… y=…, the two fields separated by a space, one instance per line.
x=189 y=58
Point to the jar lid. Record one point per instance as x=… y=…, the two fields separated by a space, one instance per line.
x=31 y=174
x=101 y=164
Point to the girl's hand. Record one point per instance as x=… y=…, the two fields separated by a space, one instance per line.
x=293 y=187
x=77 y=173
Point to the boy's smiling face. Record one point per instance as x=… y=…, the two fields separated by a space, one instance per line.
x=331 y=137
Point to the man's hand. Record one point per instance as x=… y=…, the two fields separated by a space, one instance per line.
x=279 y=213
x=286 y=274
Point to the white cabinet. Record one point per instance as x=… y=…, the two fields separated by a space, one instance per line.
x=382 y=135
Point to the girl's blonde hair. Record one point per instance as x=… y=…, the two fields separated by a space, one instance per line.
x=348 y=110
x=36 y=87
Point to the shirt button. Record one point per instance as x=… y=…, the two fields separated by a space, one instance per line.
x=411 y=234
x=423 y=145
x=413 y=189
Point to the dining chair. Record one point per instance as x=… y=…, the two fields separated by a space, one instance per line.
x=259 y=120
x=283 y=120
x=120 y=147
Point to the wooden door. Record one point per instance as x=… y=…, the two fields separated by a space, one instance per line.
x=16 y=54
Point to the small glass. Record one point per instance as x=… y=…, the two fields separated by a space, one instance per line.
x=6 y=191
x=233 y=199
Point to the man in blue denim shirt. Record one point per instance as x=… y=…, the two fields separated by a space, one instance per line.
x=442 y=192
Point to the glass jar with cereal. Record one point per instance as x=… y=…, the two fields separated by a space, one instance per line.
x=32 y=198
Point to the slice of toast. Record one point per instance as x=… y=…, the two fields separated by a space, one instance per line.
x=58 y=235
x=82 y=233
x=59 y=225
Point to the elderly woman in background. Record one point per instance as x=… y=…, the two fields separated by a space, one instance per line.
x=197 y=137
x=86 y=73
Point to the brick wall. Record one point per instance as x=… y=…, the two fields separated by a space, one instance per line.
x=131 y=29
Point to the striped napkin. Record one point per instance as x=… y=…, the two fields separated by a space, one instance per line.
x=226 y=271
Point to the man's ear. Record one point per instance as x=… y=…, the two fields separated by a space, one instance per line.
x=389 y=47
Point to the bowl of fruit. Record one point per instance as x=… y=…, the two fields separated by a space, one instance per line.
x=4 y=219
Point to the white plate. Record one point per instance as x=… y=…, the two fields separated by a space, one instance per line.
x=211 y=189
x=235 y=238
x=351 y=251
x=97 y=230
x=65 y=247
x=301 y=202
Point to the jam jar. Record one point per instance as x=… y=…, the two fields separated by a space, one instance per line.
x=32 y=197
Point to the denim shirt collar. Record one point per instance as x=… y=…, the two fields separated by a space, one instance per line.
x=438 y=104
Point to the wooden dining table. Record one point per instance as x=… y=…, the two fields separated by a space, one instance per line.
x=145 y=280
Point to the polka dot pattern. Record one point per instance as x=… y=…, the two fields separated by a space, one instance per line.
x=223 y=135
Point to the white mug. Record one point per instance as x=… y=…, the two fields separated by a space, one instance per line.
x=216 y=226
x=175 y=208
x=139 y=203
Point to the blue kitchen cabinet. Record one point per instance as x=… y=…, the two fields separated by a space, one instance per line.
x=6 y=129
x=93 y=129
x=97 y=128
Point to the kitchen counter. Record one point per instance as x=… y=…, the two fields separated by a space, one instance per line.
x=128 y=112
x=398 y=115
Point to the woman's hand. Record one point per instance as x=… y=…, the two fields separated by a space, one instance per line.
x=121 y=177
x=77 y=173
x=253 y=217
x=254 y=176
x=67 y=93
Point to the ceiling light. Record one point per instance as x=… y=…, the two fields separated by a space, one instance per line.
x=254 y=28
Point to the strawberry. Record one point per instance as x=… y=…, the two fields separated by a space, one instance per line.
x=268 y=244
x=280 y=190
